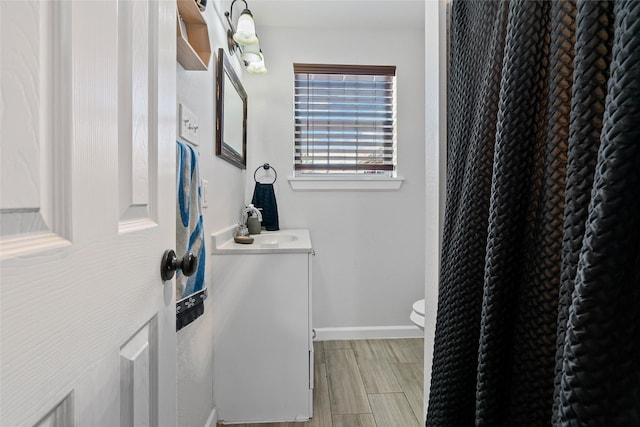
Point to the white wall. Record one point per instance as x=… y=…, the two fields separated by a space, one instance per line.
x=370 y=246
x=226 y=195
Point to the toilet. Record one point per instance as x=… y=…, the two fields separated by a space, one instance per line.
x=417 y=314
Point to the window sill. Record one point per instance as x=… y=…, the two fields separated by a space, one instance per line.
x=342 y=183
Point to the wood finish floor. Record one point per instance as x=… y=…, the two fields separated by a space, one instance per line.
x=366 y=383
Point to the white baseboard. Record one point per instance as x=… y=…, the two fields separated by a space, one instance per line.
x=368 y=332
x=213 y=419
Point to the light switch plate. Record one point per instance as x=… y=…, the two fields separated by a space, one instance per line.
x=188 y=125
x=205 y=193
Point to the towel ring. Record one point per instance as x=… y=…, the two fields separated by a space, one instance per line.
x=266 y=167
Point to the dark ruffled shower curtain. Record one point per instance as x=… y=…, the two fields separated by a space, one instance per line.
x=538 y=317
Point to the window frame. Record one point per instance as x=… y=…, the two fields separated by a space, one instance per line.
x=357 y=180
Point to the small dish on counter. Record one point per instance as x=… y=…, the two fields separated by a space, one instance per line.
x=245 y=240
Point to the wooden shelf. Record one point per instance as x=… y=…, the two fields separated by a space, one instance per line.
x=194 y=49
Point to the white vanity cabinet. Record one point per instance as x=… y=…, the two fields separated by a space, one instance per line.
x=263 y=352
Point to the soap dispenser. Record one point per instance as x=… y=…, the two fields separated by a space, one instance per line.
x=253 y=223
x=254 y=218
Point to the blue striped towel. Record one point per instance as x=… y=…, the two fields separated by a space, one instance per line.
x=189 y=229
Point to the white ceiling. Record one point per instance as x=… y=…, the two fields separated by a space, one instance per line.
x=336 y=14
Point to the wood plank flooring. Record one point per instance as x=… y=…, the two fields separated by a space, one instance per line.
x=366 y=383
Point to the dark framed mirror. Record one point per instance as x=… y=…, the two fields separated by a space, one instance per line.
x=231 y=114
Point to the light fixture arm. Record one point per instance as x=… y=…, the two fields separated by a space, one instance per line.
x=229 y=15
x=246 y=42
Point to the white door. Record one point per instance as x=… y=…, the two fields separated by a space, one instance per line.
x=87 y=208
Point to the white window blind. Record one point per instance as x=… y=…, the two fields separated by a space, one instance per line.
x=345 y=119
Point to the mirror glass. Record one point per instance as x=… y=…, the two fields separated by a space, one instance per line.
x=231 y=114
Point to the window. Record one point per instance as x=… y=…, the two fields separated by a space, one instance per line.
x=345 y=120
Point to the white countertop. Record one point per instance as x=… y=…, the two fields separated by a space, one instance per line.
x=300 y=242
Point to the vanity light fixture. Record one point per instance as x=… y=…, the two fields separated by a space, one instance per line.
x=244 y=39
x=257 y=67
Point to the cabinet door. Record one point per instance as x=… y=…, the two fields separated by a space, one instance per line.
x=310 y=327
x=261 y=337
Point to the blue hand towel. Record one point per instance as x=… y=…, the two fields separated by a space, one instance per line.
x=190 y=291
x=264 y=197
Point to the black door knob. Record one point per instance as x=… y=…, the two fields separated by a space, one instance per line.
x=170 y=263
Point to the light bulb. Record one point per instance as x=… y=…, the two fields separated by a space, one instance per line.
x=257 y=67
x=246 y=32
x=251 y=53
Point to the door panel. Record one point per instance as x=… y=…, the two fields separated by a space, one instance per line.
x=35 y=131
x=60 y=416
x=87 y=208
x=138 y=376
x=134 y=110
